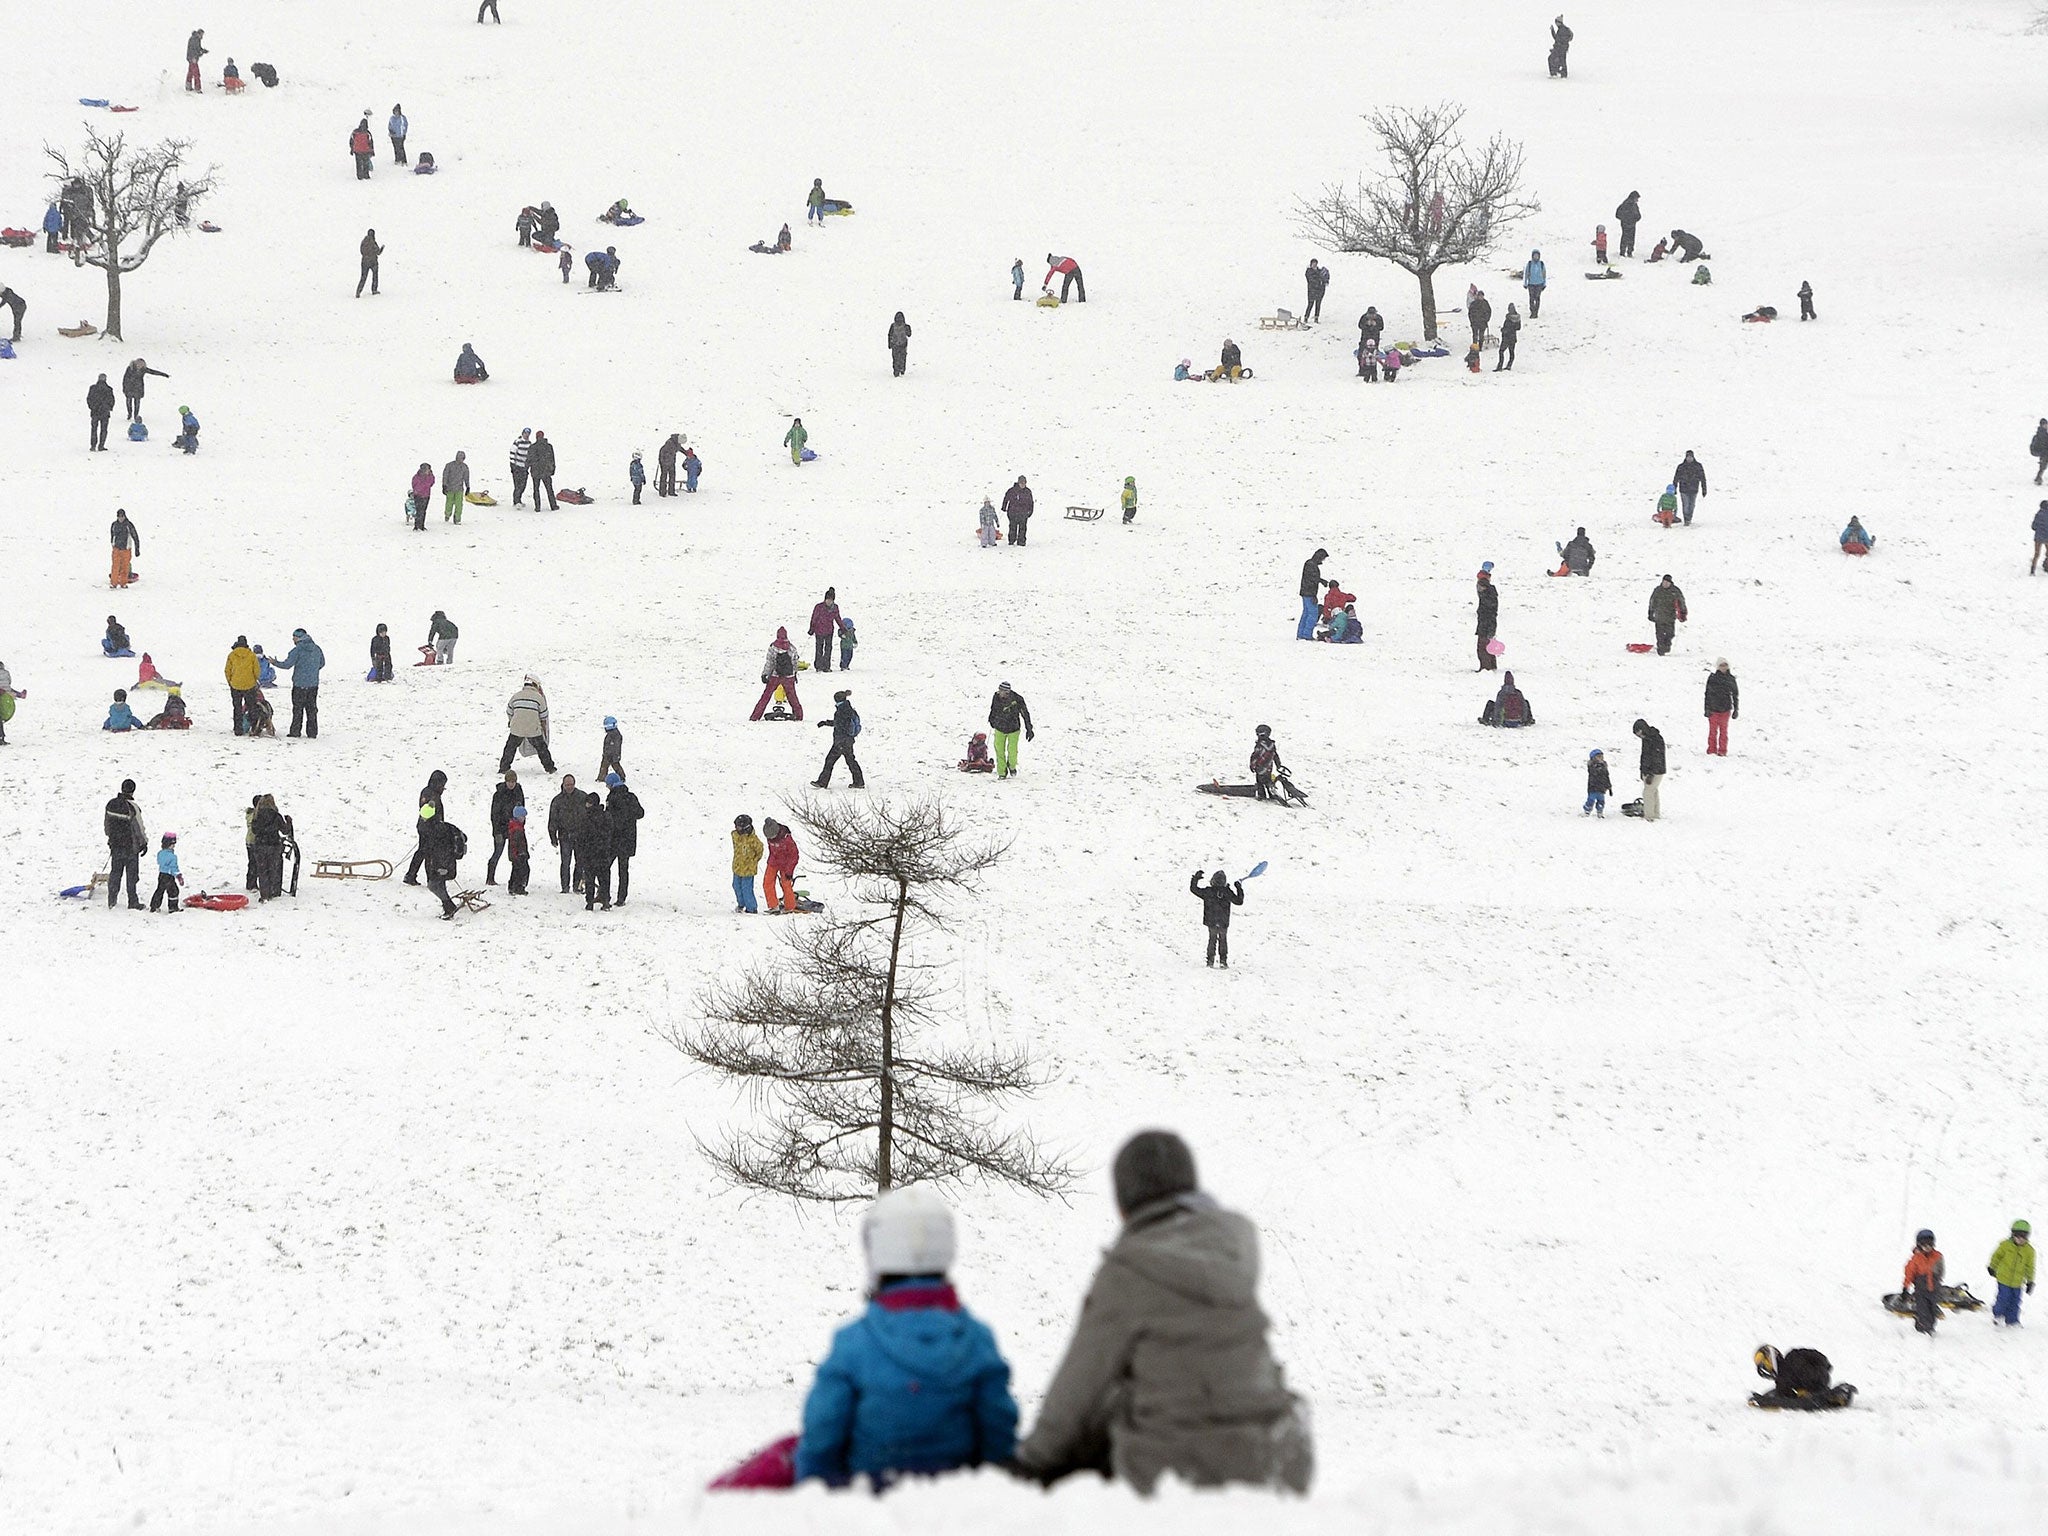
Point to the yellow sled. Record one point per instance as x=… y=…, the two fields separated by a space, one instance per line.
x=480 y=499
x=1048 y=301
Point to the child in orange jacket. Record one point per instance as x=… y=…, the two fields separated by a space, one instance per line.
x=1924 y=1271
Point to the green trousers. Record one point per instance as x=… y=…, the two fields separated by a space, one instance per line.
x=451 y=510
x=1006 y=753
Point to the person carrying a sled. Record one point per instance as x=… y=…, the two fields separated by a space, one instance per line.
x=2012 y=1266
x=1924 y=1271
x=1217 y=898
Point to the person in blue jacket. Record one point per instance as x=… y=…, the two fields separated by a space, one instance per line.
x=1534 y=278
x=121 y=717
x=305 y=659
x=188 y=436
x=636 y=472
x=266 y=673
x=917 y=1383
x=53 y=222
x=692 y=468
x=1856 y=534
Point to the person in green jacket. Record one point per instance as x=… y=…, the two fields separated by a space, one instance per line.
x=2012 y=1266
x=1667 y=506
x=814 y=205
x=1130 y=499
x=795 y=439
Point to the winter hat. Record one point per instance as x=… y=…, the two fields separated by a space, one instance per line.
x=299 y=634
x=127 y=786
x=1152 y=1165
x=1721 y=662
x=611 y=722
x=519 y=813
x=909 y=1231
x=842 y=695
x=1640 y=726
x=613 y=781
x=743 y=823
x=1596 y=752
x=2023 y=1226
x=781 y=635
x=1670 y=490
x=170 y=838
x=1924 y=1235
x=177 y=692
x=120 y=695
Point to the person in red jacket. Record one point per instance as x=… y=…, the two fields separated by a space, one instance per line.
x=782 y=857
x=1924 y=1271
x=824 y=626
x=363 y=147
x=1070 y=276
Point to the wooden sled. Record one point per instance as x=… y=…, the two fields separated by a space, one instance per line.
x=87 y=891
x=351 y=869
x=1084 y=514
x=83 y=328
x=473 y=901
x=1283 y=321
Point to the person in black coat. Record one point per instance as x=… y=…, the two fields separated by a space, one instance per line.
x=17 y=305
x=1510 y=328
x=438 y=842
x=1217 y=898
x=1724 y=703
x=1578 y=554
x=1480 y=313
x=1318 y=278
x=1691 y=479
x=1629 y=215
x=437 y=781
x=565 y=827
x=1489 y=620
x=380 y=655
x=127 y=838
x=1017 y=508
x=845 y=725
x=1370 y=325
x=540 y=464
x=503 y=798
x=371 y=250
x=594 y=853
x=665 y=464
x=899 y=344
x=1312 y=585
x=99 y=405
x=1560 y=48
x=1651 y=767
x=132 y=381
x=622 y=809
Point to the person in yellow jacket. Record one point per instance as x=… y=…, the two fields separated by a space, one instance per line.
x=2012 y=1266
x=1130 y=499
x=746 y=863
x=241 y=672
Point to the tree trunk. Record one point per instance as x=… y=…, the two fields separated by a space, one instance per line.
x=113 y=325
x=1427 y=278
x=885 y=1177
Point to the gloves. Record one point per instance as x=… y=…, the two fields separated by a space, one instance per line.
x=1030 y=735
x=822 y=724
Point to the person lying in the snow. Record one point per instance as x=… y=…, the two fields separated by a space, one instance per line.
x=1804 y=1380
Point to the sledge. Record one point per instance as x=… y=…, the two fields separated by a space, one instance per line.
x=1640 y=647
x=1048 y=301
x=1282 y=321
x=105 y=652
x=472 y=901
x=1601 y=277
x=19 y=238
x=547 y=249
x=480 y=498
x=87 y=891
x=208 y=227
x=1288 y=795
x=805 y=904
x=1853 y=548
x=574 y=498
x=1084 y=514
x=809 y=454
x=836 y=206
x=1949 y=1298
x=427 y=657
x=230 y=902
x=94 y=101
x=1633 y=808
x=351 y=869
x=1840 y=1395
x=1820 y=1393
x=625 y=223
x=83 y=328
x=124 y=109
x=773 y=1466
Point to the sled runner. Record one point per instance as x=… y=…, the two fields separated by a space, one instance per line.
x=83 y=328
x=1283 y=321
x=87 y=891
x=351 y=869
x=473 y=901
x=231 y=902
x=1950 y=1298
x=1084 y=514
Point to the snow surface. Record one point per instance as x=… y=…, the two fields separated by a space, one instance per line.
x=327 y=1218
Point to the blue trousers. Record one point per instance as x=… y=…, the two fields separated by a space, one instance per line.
x=1594 y=802
x=1311 y=610
x=743 y=893
x=2007 y=1308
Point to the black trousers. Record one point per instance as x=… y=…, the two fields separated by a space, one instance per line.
x=547 y=760
x=1628 y=239
x=623 y=862
x=99 y=433
x=497 y=852
x=369 y=276
x=1219 y=946
x=841 y=750
x=306 y=712
x=1315 y=306
x=898 y=359
x=362 y=167
x=492 y=7
x=134 y=406
x=518 y=483
x=419 y=857
x=1506 y=358
x=546 y=483
x=1666 y=628
x=1535 y=300
x=1806 y=307
x=243 y=703
x=1017 y=531
x=166 y=886
x=568 y=867
x=124 y=867
x=522 y=872
x=597 y=882
x=440 y=888
x=1486 y=661
x=269 y=859
x=398 y=151
x=821 y=653
x=636 y=491
x=1073 y=280
x=665 y=480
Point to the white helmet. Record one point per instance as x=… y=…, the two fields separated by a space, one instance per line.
x=908 y=1231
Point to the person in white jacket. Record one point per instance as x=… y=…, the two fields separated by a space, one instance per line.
x=526 y=717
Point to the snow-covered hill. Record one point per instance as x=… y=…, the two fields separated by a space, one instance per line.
x=333 y=1217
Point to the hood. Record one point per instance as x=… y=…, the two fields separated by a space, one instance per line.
x=1193 y=1247
x=781 y=636
x=929 y=1343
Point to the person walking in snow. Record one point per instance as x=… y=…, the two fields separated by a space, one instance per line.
x=2039 y=449
x=195 y=50
x=398 y=127
x=2040 y=556
x=1667 y=612
x=988 y=523
x=1318 y=279
x=565 y=824
x=1925 y=1271
x=1129 y=499
x=1724 y=703
x=845 y=727
x=778 y=670
x=526 y=719
x=1488 y=622
x=1691 y=479
x=422 y=489
x=824 y=625
x=623 y=811
x=127 y=543
x=540 y=465
x=363 y=147
x=1016 y=278
x=1650 y=767
x=1510 y=328
x=522 y=447
x=1628 y=215
x=2012 y=1266
x=1017 y=507
x=306 y=661
x=1217 y=899
x=504 y=797
x=492 y=7
x=847 y=641
x=1007 y=713
x=794 y=440
x=612 y=752
x=127 y=840
x=430 y=798
x=370 y=250
x=899 y=344
x=1480 y=313
x=454 y=487
x=440 y=845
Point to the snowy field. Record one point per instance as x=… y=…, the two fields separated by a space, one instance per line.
x=329 y=1217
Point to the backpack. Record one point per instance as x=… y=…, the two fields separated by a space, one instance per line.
x=785 y=663
x=850 y=735
x=458 y=842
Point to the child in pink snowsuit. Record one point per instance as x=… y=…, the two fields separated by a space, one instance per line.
x=1600 y=244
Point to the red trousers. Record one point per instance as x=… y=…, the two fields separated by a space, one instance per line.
x=1717 y=734
x=788 y=898
x=788 y=686
x=192 y=82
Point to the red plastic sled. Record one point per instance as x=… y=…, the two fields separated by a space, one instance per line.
x=773 y=1466
x=208 y=903
x=1641 y=647
x=1855 y=549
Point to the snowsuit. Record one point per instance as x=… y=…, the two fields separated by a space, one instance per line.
x=2012 y=1266
x=845 y=726
x=168 y=879
x=916 y=1384
x=380 y=658
x=1599 y=785
x=1006 y=712
x=565 y=826
x=1017 y=507
x=1017 y=280
x=1169 y=1369
x=778 y=670
x=987 y=519
x=594 y=853
x=1723 y=703
x=1129 y=500
x=636 y=475
x=692 y=468
x=782 y=862
x=1806 y=308
x=622 y=809
x=824 y=625
x=1489 y=621
x=503 y=798
x=1925 y=1270
x=127 y=840
x=899 y=344
x=1667 y=612
x=746 y=863
x=1217 y=899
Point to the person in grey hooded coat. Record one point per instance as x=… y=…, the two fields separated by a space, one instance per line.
x=1169 y=1369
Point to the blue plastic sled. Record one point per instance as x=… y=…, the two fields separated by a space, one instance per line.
x=624 y=223
x=808 y=455
x=89 y=101
x=105 y=652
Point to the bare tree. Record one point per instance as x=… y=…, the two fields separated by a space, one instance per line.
x=1438 y=205
x=843 y=1036
x=121 y=201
